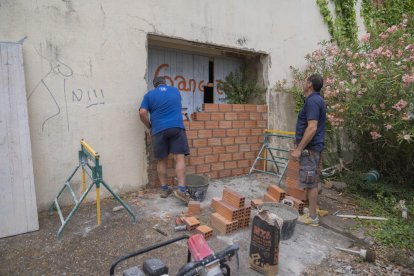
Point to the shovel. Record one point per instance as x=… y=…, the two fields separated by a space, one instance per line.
x=366 y=254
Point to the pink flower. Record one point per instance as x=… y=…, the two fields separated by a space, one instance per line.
x=409 y=47
x=366 y=37
x=388 y=126
x=383 y=36
x=375 y=135
x=407 y=79
x=392 y=29
x=400 y=105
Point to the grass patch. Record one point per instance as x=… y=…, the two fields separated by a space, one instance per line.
x=382 y=199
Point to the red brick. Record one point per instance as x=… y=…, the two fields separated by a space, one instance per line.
x=225 y=124
x=196 y=125
x=232 y=132
x=210 y=107
x=238 y=107
x=250 y=107
x=202 y=116
x=193 y=152
x=204 y=133
x=228 y=141
x=214 y=141
x=190 y=169
x=200 y=143
x=240 y=140
x=219 y=132
x=252 y=139
x=204 y=151
x=250 y=124
x=224 y=173
x=262 y=108
x=246 y=170
x=204 y=230
x=230 y=164
x=257 y=131
x=190 y=143
x=191 y=134
x=276 y=192
x=264 y=116
x=219 y=150
x=238 y=156
x=251 y=155
x=225 y=107
x=244 y=132
x=238 y=124
x=238 y=171
x=196 y=160
x=211 y=158
x=245 y=147
x=217 y=166
x=233 y=198
x=234 y=148
x=213 y=175
x=268 y=198
x=203 y=168
x=225 y=157
x=187 y=125
x=255 y=116
x=211 y=124
x=243 y=164
x=192 y=223
x=243 y=116
x=296 y=192
x=262 y=124
x=217 y=116
x=230 y=116
x=255 y=147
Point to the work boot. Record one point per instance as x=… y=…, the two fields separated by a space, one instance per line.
x=165 y=191
x=306 y=219
x=182 y=195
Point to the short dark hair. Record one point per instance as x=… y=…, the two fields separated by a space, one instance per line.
x=158 y=80
x=317 y=82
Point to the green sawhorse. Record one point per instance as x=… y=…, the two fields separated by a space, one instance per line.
x=272 y=154
x=87 y=155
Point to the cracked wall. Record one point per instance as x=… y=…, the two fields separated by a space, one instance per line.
x=86 y=62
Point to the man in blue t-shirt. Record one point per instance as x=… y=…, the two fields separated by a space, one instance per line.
x=163 y=104
x=309 y=140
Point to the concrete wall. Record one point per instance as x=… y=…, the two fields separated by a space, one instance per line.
x=73 y=47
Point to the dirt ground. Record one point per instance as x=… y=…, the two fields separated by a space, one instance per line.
x=86 y=249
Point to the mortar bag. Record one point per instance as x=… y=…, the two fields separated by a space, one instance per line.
x=264 y=244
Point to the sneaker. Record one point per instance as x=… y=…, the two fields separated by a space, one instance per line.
x=306 y=219
x=165 y=192
x=184 y=196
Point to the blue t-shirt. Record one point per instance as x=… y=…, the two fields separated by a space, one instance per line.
x=313 y=109
x=164 y=105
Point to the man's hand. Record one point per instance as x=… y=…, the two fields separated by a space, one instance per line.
x=295 y=154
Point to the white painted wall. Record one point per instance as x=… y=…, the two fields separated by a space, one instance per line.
x=76 y=45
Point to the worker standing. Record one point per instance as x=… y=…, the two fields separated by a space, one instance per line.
x=168 y=135
x=309 y=141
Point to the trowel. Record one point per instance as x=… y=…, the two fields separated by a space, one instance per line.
x=366 y=254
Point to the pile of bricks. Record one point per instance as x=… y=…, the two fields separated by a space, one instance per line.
x=277 y=194
x=292 y=181
x=231 y=212
x=224 y=140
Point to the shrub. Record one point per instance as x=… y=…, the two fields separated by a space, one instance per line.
x=369 y=92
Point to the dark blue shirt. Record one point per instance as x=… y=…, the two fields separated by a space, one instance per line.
x=313 y=109
x=164 y=105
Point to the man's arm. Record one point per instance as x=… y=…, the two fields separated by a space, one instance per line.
x=143 y=115
x=307 y=137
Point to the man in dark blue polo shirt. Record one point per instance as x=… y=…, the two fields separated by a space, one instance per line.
x=310 y=135
x=167 y=133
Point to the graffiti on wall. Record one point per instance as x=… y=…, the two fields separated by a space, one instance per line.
x=54 y=86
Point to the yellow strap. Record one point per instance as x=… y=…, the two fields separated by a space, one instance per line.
x=279 y=131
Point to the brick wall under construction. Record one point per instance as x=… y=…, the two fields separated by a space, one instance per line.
x=224 y=141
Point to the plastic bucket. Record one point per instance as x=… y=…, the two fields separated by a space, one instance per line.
x=372 y=176
x=288 y=214
x=197 y=186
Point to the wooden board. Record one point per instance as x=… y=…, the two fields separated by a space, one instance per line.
x=18 y=209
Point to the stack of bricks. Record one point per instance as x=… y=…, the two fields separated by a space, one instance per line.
x=224 y=140
x=192 y=223
x=277 y=194
x=231 y=212
x=292 y=181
